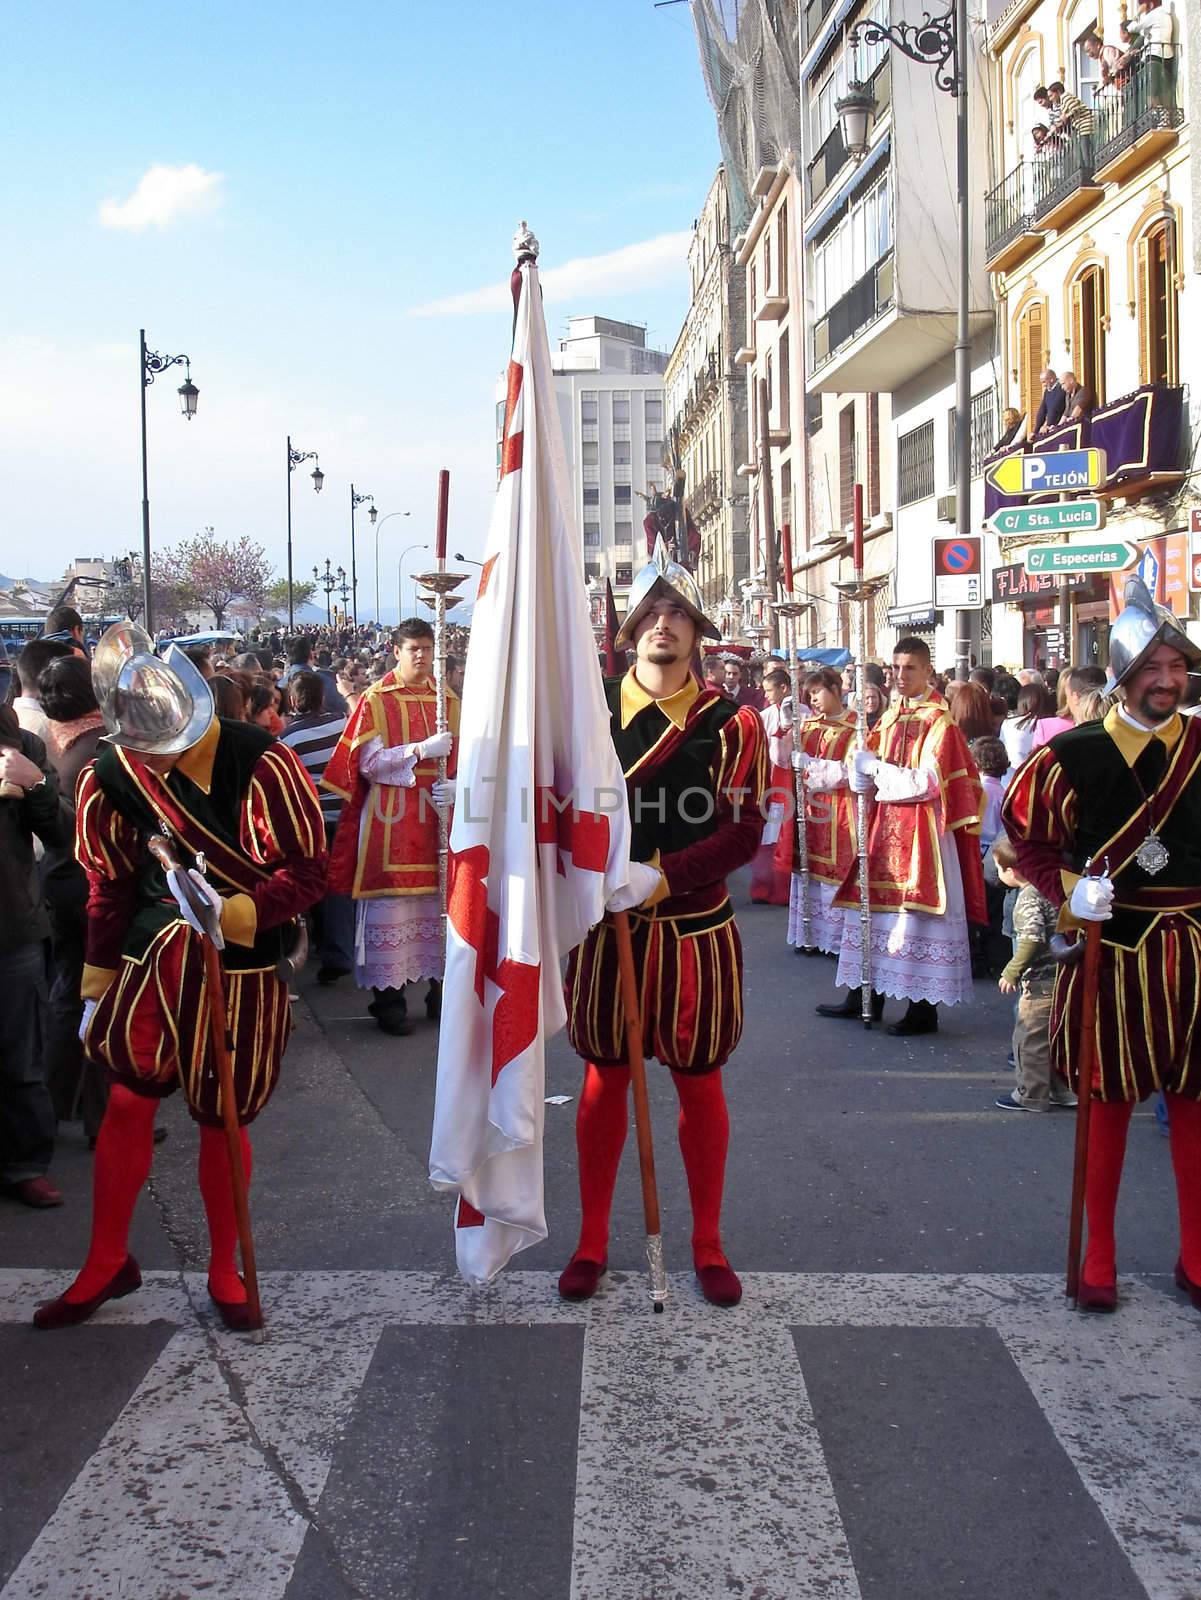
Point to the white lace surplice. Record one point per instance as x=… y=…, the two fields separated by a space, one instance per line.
x=398 y=938
x=915 y=954
x=825 y=920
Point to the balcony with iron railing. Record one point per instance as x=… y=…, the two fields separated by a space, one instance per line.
x=1009 y=234
x=705 y=494
x=1063 y=186
x=1136 y=122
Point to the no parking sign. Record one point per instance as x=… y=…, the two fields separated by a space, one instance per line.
x=959 y=572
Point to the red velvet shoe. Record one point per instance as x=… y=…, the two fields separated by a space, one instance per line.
x=1184 y=1282
x=64 y=1313
x=1097 y=1296
x=580 y=1280
x=235 y=1314
x=720 y=1284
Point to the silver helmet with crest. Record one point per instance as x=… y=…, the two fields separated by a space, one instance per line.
x=1141 y=627
x=150 y=706
x=663 y=579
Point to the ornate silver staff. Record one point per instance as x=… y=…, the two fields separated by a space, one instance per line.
x=860 y=591
x=441 y=585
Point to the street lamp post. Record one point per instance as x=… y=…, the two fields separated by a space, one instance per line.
x=329 y=582
x=295 y=457
x=356 y=500
x=344 y=591
x=939 y=42
x=378 y=526
x=400 y=594
x=150 y=364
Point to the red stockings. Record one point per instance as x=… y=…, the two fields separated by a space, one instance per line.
x=124 y=1152
x=1184 y=1133
x=1108 y=1123
x=216 y=1189
x=602 y=1121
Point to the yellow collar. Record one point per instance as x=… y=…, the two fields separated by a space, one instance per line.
x=1132 y=741
x=674 y=707
x=196 y=762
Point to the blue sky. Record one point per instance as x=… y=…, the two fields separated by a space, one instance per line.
x=276 y=190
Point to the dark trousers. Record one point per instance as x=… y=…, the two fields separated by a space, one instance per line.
x=26 y=1113
x=334 y=923
x=78 y=1088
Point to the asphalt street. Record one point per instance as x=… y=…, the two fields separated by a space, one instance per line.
x=902 y=1405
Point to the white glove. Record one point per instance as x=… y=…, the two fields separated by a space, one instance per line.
x=643 y=881
x=89 y=1007
x=860 y=770
x=438 y=744
x=206 y=893
x=443 y=792
x=800 y=761
x=1092 y=900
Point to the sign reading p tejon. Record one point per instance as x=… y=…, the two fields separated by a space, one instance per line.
x=1057 y=472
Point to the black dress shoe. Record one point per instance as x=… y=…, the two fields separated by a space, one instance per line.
x=64 y=1313
x=433 y=1000
x=852 y=1007
x=391 y=1012
x=921 y=1017
x=1101 y=1297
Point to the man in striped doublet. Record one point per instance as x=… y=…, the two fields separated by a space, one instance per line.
x=697 y=770
x=1106 y=820
x=231 y=793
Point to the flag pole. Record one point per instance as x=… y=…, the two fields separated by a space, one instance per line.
x=642 y=1109
x=441 y=597
x=859 y=591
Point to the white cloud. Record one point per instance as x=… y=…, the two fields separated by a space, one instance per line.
x=651 y=264
x=163 y=195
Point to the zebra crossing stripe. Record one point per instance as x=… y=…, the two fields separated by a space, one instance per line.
x=697 y=1454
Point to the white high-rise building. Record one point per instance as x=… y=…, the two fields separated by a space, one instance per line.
x=610 y=392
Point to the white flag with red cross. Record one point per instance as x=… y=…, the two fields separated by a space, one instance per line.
x=541 y=835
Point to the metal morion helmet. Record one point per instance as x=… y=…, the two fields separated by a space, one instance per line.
x=1142 y=625
x=663 y=579
x=150 y=706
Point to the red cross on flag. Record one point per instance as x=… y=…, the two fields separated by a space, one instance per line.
x=540 y=838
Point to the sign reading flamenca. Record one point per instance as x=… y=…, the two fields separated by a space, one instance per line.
x=1014 y=584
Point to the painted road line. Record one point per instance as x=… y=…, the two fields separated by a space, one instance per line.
x=700 y=1471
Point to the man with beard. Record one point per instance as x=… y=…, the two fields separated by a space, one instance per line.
x=696 y=770
x=1106 y=820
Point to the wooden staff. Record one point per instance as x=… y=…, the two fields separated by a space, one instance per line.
x=1086 y=1065
x=221 y=1043
x=642 y=1109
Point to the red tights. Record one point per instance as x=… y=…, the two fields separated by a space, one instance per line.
x=704 y=1130
x=124 y=1152
x=1109 y=1122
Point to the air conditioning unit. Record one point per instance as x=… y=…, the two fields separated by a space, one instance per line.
x=944 y=508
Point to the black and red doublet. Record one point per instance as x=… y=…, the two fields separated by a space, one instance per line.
x=246 y=802
x=1093 y=793
x=1090 y=798
x=696 y=768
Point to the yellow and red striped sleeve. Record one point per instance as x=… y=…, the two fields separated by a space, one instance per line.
x=1039 y=814
x=108 y=850
x=281 y=827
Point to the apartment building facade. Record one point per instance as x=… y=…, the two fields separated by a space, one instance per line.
x=1095 y=261
x=706 y=400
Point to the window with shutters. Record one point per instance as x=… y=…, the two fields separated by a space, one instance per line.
x=767 y=283
x=1031 y=343
x=1156 y=306
x=1089 y=314
x=753 y=296
x=785 y=359
x=782 y=249
x=847 y=464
